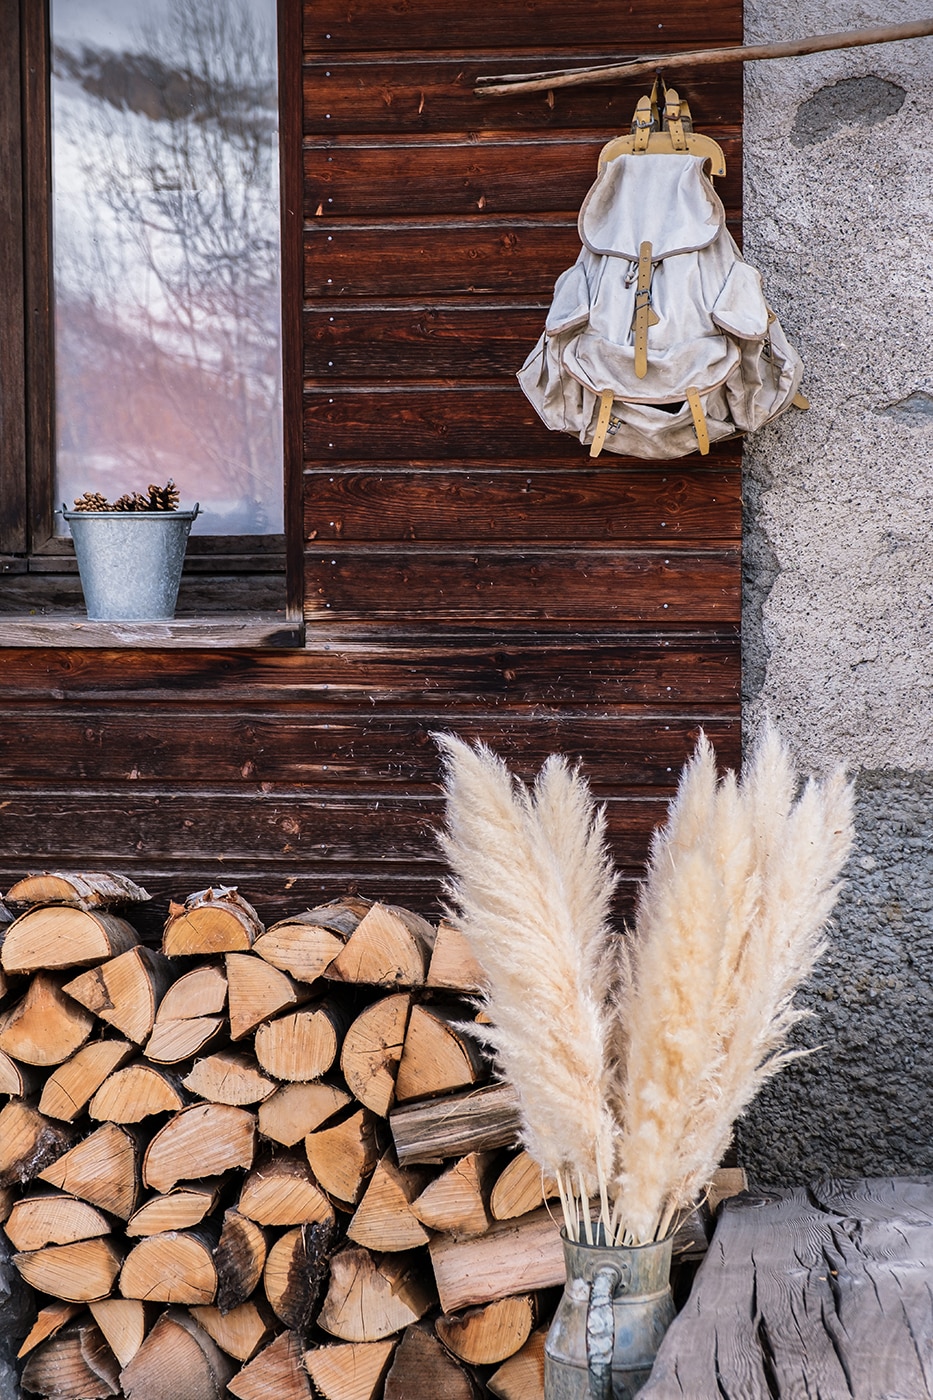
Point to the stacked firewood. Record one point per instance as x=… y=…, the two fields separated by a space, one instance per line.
x=261 y=1161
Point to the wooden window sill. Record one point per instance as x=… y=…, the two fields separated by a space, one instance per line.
x=217 y=630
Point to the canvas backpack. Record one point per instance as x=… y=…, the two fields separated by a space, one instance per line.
x=659 y=339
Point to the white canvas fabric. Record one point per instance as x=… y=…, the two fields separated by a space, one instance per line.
x=715 y=332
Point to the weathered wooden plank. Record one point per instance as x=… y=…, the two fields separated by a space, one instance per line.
x=518 y=256
x=490 y=422
x=618 y=750
x=370 y=665
x=652 y=586
x=88 y=825
x=603 y=506
x=394 y=176
x=824 y=1293
x=433 y=93
x=333 y=26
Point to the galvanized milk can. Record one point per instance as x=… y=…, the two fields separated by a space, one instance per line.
x=616 y=1307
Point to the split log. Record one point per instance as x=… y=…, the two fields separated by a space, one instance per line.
x=202 y=992
x=522 y=1376
x=384 y=1220
x=36 y=1221
x=46 y=1027
x=301 y=1045
x=102 y=1169
x=453 y=965
x=274 y=1372
x=477 y=1121
x=124 y=1323
x=488 y=1334
x=239 y=1332
x=437 y=1058
x=75 y=1362
x=136 y=1092
x=239 y=1259
x=68 y=1091
x=342 y=915
x=456 y=1201
x=180 y=1209
x=282 y=1191
x=229 y=1077
x=101 y=890
x=16 y=1080
x=352 y=1370
x=77 y=1273
x=300 y=946
x=257 y=991
x=177 y=1040
x=343 y=1157
x=390 y=946
x=177 y=1359
x=49 y=1321
x=28 y=1142
x=175 y=1267
x=295 y=1270
x=125 y=991
x=211 y=921
x=372 y=1048
x=54 y=937
x=295 y=1110
x=373 y=1296
x=520 y=1188
x=205 y=1139
x=423 y=1367
x=514 y=1256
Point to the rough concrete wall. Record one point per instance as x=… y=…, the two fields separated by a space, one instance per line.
x=839 y=562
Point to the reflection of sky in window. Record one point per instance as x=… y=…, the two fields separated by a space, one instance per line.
x=166 y=254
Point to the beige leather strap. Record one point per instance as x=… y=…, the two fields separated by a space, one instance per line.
x=644 y=315
x=699 y=420
x=602 y=422
x=673 y=122
x=800 y=400
x=642 y=124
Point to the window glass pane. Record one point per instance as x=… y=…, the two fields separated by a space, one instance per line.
x=166 y=254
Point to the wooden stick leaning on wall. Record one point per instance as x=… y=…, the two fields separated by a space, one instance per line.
x=508 y=83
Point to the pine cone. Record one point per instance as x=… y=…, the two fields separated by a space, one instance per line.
x=163 y=497
x=92 y=500
x=133 y=500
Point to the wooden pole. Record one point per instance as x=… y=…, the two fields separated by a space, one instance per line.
x=509 y=83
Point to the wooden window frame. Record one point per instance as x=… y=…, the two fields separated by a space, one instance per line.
x=28 y=545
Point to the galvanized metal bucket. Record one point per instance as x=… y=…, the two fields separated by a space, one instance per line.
x=610 y=1322
x=130 y=561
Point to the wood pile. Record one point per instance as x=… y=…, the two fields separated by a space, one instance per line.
x=261 y=1161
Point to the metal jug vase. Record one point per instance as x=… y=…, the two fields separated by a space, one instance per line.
x=615 y=1309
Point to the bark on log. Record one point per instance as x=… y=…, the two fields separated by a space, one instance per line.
x=239 y=1259
x=476 y=1121
x=295 y=1271
x=211 y=921
x=101 y=890
x=28 y=1142
x=513 y=1256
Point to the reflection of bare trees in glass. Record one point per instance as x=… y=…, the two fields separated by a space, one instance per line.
x=167 y=267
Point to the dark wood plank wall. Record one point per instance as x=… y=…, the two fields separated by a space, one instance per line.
x=463 y=568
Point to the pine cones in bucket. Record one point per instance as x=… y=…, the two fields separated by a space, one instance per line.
x=157 y=498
